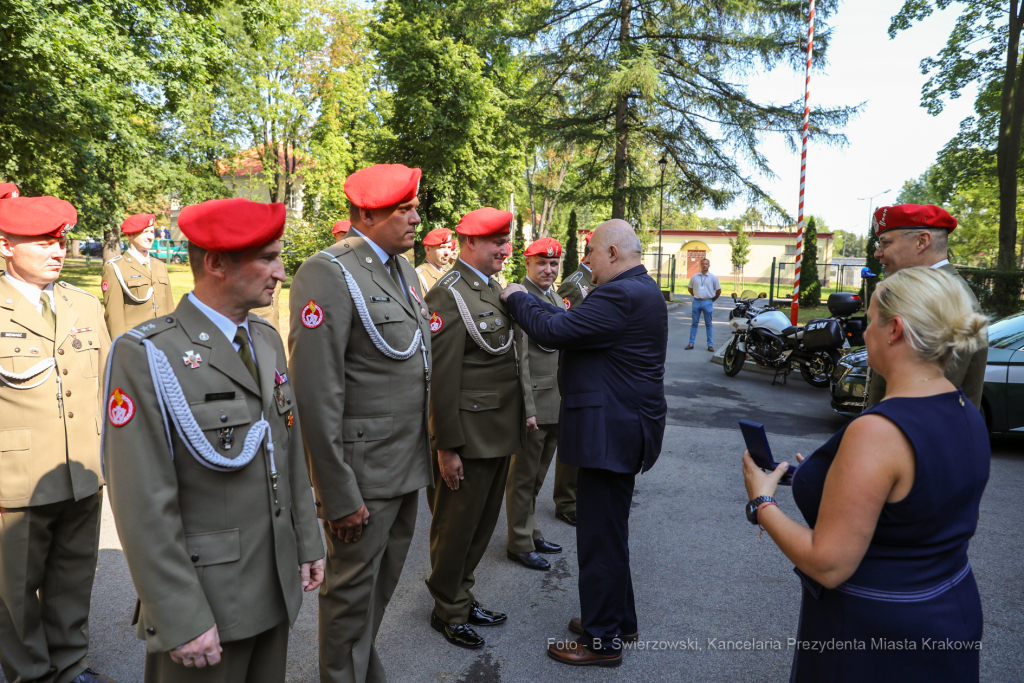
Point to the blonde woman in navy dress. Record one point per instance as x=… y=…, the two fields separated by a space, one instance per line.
x=891 y=502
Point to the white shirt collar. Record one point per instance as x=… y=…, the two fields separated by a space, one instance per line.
x=941 y=263
x=545 y=291
x=221 y=321
x=31 y=292
x=482 y=276
x=144 y=260
x=381 y=254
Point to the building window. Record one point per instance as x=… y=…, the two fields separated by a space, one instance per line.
x=790 y=250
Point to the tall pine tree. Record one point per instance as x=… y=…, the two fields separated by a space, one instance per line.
x=810 y=286
x=571 y=261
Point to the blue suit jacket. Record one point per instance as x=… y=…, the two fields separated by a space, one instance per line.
x=612 y=370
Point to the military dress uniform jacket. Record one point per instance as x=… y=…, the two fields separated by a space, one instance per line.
x=50 y=417
x=967 y=373
x=124 y=300
x=540 y=368
x=429 y=274
x=365 y=418
x=574 y=289
x=477 y=400
x=205 y=546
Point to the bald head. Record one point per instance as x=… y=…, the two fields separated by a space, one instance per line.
x=615 y=248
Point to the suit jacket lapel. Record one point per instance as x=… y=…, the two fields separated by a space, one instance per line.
x=222 y=352
x=66 y=317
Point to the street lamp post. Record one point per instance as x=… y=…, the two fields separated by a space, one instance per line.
x=663 y=162
x=871 y=204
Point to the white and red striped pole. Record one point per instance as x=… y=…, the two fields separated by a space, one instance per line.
x=803 y=170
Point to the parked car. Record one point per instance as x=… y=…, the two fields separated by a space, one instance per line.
x=91 y=247
x=1002 y=399
x=170 y=251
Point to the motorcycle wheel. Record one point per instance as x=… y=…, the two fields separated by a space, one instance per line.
x=819 y=368
x=732 y=361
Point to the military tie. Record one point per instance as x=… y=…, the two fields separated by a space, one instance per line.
x=245 y=354
x=392 y=264
x=48 y=315
x=495 y=287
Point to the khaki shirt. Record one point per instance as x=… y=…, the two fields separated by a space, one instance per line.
x=125 y=305
x=477 y=399
x=967 y=373
x=429 y=274
x=365 y=422
x=540 y=368
x=50 y=421
x=575 y=288
x=205 y=546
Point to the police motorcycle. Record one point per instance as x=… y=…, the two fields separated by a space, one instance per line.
x=766 y=336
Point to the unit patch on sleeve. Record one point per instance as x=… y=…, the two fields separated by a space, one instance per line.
x=312 y=315
x=105 y=286
x=120 y=408
x=566 y=303
x=436 y=322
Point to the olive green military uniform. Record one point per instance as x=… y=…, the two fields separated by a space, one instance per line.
x=272 y=313
x=476 y=409
x=365 y=431
x=134 y=292
x=572 y=291
x=530 y=465
x=206 y=543
x=50 y=482
x=968 y=373
x=429 y=274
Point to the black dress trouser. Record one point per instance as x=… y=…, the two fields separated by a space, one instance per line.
x=602 y=539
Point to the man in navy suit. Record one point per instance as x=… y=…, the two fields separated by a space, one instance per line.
x=612 y=379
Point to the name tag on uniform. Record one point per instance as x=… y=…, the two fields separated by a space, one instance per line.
x=484 y=314
x=131 y=276
x=380 y=298
x=222 y=396
x=12 y=335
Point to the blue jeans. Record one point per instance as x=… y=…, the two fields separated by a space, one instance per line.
x=706 y=307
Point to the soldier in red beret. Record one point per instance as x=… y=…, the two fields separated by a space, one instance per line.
x=438 y=246
x=53 y=347
x=340 y=230
x=205 y=465
x=917 y=236
x=135 y=286
x=476 y=418
x=529 y=466
x=360 y=344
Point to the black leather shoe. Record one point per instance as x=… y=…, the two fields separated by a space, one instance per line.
x=548 y=547
x=531 y=560
x=478 y=616
x=462 y=635
x=90 y=676
x=567 y=517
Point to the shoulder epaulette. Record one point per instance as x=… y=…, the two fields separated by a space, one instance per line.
x=450 y=279
x=261 y=320
x=152 y=327
x=578 y=275
x=67 y=285
x=116 y=258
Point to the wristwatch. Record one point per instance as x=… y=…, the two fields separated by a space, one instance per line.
x=753 y=505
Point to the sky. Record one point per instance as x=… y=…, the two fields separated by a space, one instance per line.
x=891 y=141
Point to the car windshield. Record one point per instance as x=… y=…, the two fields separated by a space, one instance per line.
x=1007 y=333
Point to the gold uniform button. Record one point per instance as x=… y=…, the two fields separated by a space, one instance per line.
x=70 y=415
x=64 y=371
x=67 y=393
x=60 y=352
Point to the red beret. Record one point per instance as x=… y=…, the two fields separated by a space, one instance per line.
x=589 y=235
x=912 y=216
x=547 y=247
x=485 y=221
x=138 y=223
x=8 y=190
x=382 y=185
x=35 y=216
x=341 y=226
x=436 y=238
x=232 y=224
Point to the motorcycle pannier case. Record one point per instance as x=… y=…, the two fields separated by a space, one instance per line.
x=823 y=333
x=843 y=304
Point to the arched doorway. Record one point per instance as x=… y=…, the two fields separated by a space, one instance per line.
x=693 y=251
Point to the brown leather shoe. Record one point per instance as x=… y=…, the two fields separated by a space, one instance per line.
x=575 y=653
x=576 y=626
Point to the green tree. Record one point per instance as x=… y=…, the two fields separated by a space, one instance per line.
x=630 y=78
x=515 y=267
x=983 y=49
x=740 y=252
x=810 y=282
x=872 y=264
x=571 y=260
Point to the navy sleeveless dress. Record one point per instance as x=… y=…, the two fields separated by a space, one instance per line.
x=911 y=611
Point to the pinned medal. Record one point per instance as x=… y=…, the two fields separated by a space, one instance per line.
x=34 y=351
x=76 y=343
x=436 y=323
x=291 y=420
x=227 y=438
x=412 y=290
x=204 y=337
x=192 y=359
x=279 y=378
x=282 y=402
x=312 y=315
x=425 y=313
x=120 y=408
x=483 y=326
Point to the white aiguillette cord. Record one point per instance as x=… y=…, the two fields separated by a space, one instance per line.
x=120 y=278
x=364 y=315
x=45 y=364
x=474 y=333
